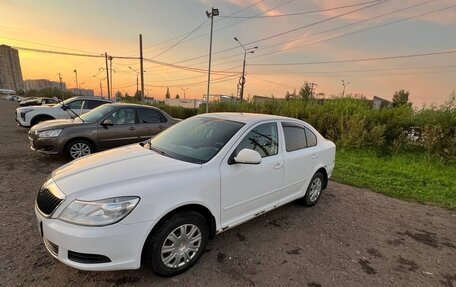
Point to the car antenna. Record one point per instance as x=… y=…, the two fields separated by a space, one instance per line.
x=66 y=108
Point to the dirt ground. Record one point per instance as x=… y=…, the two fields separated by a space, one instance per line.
x=352 y=237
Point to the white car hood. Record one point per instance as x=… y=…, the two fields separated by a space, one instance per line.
x=116 y=166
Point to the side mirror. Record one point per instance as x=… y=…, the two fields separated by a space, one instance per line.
x=107 y=122
x=248 y=156
x=64 y=107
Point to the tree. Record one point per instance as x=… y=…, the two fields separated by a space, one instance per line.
x=177 y=96
x=118 y=95
x=401 y=98
x=289 y=96
x=167 y=94
x=305 y=93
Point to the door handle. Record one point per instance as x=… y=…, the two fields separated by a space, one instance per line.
x=132 y=129
x=314 y=156
x=278 y=166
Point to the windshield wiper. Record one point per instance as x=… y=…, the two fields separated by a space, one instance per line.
x=158 y=150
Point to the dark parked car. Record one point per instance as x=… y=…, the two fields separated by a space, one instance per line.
x=38 y=102
x=108 y=126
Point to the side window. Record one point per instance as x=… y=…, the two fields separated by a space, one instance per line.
x=123 y=117
x=262 y=139
x=311 y=138
x=147 y=116
x=75 y=105
x=295 y=138
x=93 y=104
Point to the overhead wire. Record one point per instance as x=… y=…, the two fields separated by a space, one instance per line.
x=357 y=60
x=299 y=13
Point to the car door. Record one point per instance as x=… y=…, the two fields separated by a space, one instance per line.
x=151 y=122
x=300 y=158
x=123 y=130
x=248 y=189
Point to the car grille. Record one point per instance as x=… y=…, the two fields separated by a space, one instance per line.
x=47 y=201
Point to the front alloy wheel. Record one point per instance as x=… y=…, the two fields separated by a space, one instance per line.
x=181 y=245
x=176 y=243
x=78 y=148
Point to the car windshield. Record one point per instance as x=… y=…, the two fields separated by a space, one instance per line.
x=195 y=140
x=97 y=113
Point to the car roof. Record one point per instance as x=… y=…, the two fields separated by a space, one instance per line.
x=247 y=117
x=91 y=98
x=117 y=104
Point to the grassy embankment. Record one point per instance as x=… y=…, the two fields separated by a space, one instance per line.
x=409 y=176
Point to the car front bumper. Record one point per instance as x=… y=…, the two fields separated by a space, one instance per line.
x=84 y=247
x=44 y=145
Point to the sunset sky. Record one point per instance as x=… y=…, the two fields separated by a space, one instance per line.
x=373 y=30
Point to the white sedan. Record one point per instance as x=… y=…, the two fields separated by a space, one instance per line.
x=157 y=203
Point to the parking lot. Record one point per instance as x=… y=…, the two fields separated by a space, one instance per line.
x=352 y=237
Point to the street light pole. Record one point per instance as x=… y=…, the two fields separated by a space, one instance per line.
x=77 y=85
x=214 y=12
x=344 y=84
x=61 y=89
x=242 y=79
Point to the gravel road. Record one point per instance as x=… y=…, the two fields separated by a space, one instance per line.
x=352 y=237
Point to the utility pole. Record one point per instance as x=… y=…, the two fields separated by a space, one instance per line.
x=77 y=85
x=107 y=75
x=242 y=79
x=60 y=84
x=110 y=69
x=184 y=89
x=344 y=84
x=214 y=12
x=141 y=60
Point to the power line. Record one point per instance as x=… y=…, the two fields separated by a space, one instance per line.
x=359 y=70
x=352 y=32
x=47 y=45
x=200 y=83
x=180 y=41
x=356 y=60
x=301 y=13
x=59 y=53
x=288 y=31
x=181 y=35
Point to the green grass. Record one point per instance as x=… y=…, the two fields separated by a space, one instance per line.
x=414 y=177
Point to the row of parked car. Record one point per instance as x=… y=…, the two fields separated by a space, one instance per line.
x=83 y=125
x=156 y=203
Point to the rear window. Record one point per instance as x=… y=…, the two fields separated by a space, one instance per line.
x=147 y=116
x=311 y=138
x=295 y=138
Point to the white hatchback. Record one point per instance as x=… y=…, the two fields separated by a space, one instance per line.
x=157 y=203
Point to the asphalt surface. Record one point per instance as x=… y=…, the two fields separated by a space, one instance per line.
x=352 y=237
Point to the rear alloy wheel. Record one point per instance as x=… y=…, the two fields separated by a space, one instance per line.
x=78 y=148
x=314 y=190
x=177 y=243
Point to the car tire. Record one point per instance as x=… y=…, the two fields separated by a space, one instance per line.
x=314 y=190
x=38 y=119
x=167 y=252
x=78 y=148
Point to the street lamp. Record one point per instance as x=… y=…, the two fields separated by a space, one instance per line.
x=214 y=12
x=184 y=89
x=77 y=85
x=101 y=85
x=137 y=78
x=242 y=79
x=344 y=84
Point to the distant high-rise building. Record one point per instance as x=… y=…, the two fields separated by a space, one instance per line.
x=41 y=84
x=10 y=69
x=82 y=92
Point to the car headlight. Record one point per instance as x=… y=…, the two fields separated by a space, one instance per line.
x=100 y=212
x=49 y=133
x=24 y=111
